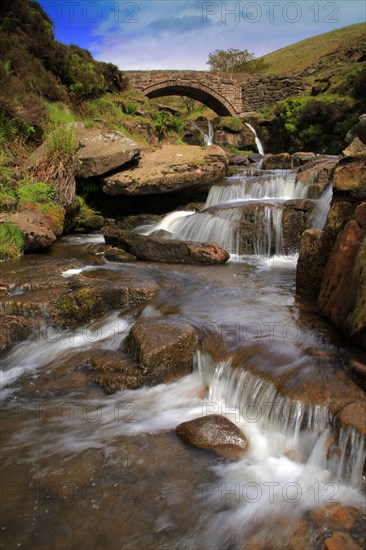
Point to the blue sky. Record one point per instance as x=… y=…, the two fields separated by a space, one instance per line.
x=179 y=34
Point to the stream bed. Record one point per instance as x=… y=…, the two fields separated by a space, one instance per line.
x=86 y=470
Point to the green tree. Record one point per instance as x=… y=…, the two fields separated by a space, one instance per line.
x=230 y=61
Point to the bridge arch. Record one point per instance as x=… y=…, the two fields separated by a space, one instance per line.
x=195 y=90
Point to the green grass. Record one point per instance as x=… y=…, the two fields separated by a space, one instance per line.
x=11 y=241
x=59 y=113
x=303 y=54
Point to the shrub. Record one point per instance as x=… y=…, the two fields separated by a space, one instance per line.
x=11 y=241
x=165 y=123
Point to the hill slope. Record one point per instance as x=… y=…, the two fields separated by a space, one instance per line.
x=348 y=42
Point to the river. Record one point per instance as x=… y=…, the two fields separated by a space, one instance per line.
x=85 y=470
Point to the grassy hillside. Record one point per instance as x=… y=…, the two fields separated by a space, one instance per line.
x=349 y=43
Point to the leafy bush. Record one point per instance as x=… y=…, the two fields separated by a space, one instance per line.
x=11 y=241
x=316 y=125
x=165 y=123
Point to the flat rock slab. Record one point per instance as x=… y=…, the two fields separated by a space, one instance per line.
x=157 y=249
x=169 y=169
x=36 y=229
x=163 y=349
x=101 y=151
x=214 y=432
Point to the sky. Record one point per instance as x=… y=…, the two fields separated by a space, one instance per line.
x=180 y=34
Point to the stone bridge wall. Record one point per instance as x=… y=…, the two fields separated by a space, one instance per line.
x=238 y=96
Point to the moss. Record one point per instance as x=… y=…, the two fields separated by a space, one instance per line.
x=56 y=214
x=88 y=219
x=231 y=123
x=11 y=241
x=358 y=316
x=81 y=305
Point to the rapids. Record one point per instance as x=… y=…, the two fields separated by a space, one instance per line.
x=85 y=470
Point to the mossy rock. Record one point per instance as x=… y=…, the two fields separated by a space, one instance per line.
x=79 y=306
x=88 y=219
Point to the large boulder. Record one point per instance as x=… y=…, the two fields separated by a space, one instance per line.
x=282 y=161
x=163 y=349
x=258 y=230
x=36 y=229
x=157 y=249
x=350 y=176
x=101 y=151
x=170 y=169
x=296 y=218
x=314 y=252
x=316 y=175
x=343 y=291
x=214 y=432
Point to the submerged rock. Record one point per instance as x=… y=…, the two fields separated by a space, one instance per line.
x=157 y=249
x=214 y=432
x=13 y=329
x=163 y=349
x=114 y=254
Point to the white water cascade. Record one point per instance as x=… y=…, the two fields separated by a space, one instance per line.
x=257 y=140
x=242 y=214
x=207 y=138
x=322 y=209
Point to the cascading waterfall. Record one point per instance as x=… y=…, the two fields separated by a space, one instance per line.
x=322 y=209
x=277 y=424
x=244 y=215
x=257 y=140
x=207 y=138
x=269 y=186
x=220 y=226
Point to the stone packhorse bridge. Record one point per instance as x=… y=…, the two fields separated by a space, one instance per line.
x=222 y=92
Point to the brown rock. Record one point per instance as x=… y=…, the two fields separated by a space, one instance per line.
x=334 y=516
x=13 y=329
x=357 y=146
x=316 y=173
x=113 y=254
x=36 y=229
x=157 y=249
x=296 y=218
x=314 y=252
x=103 y=151
x=354 y=415
x=279 y=161
x=169 y=169
x=343 y=290
x=253 y=229
x=214 y=432
x=301 y=157
x=357 y=372
x=113 y=372
x=340 y=541
x=163 y=349
x=350 y=176
x=360 y=215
